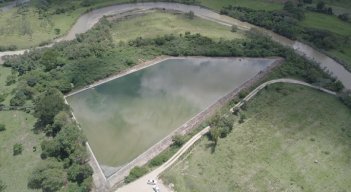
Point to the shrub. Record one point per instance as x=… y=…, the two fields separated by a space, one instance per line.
x=135 y=173
x=190 y=15
x=17 y=149
x=2 y=186
x=158 y=160
x=242 y=118
x=2 y=127
x=178 y=140
x=234 y=28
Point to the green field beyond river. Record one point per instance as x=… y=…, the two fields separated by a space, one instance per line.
x=124 y=117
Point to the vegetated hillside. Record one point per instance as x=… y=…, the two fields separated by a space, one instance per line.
x=288 y=138
x=307 y=23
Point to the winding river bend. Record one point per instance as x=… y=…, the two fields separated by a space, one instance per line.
x=88 y=20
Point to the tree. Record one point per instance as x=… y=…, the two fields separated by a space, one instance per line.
x=69 y=139
x=178 y=140
x=190 y=15
x=48 y=105
x=214 y=134
x=61 y=120
x=320 y=5
x=53 y=180
x=2 y=127
x=50 y=148
x=49 y=176
x=17 y=149
x=289 y=6
x=19 y=99
x=78 y=173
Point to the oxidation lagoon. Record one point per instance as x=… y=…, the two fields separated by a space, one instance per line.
x=124 y=117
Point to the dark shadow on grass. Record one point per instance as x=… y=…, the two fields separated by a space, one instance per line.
x=212 y=147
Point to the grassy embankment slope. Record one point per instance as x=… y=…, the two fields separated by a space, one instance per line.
x=157 y=23
x=294 y=139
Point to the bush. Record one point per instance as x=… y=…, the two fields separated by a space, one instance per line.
x=17 y=149
x=2 y=127
x=78 y=173
x=135 y=173
x=234 y=28
x=242 y=118
x=158 y=160
x=190 y=15
x=2 y=186
x=178 y=140
x=344 y=17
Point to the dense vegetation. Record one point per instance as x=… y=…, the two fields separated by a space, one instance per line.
x=285 y=22
x=64 y=152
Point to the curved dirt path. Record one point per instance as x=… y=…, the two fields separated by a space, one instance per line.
x=141 y=183
x=88 y=20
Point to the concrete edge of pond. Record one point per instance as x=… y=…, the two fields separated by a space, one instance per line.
x=116 y=179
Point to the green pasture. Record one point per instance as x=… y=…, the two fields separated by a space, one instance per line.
x=157 y=23
x=326 y=22
x=15 y=170
x=294 y=139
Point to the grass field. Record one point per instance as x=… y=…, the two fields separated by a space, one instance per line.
x=159 y=23
x=326 y=22
x=15 y=170
x=344 y=56
x=294 y=139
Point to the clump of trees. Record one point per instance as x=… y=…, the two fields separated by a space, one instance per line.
x=221 y=126
x=64 y=153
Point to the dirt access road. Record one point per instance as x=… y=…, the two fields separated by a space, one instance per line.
x=141 y=183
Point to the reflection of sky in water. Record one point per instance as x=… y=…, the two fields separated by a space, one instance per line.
x=202 y=81
x=124 y=117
